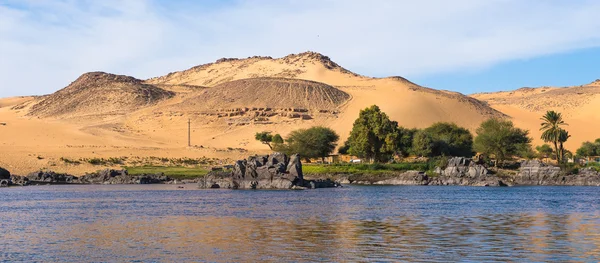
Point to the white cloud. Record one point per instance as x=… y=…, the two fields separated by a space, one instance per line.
x=46 y=44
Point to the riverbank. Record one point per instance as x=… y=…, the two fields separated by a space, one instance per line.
x=465 y=172
x=455 y=171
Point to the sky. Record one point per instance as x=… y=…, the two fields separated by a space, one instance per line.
x=467 y=46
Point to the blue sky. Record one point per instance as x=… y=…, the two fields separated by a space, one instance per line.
x=461 y=45
x=572 y=68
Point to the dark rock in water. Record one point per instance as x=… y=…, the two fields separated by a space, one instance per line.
x=535 y=172
x=538 y=173
x=406 y=178
x=239 y=170
x=50 y=177
x=463 y=167
x=465 y=171
x=294 y=167
x=4 y=174
x=460 y=171
x=19 y=180
x=216 y=180
x=5 y=179
x=275 y=171
x=110 y=176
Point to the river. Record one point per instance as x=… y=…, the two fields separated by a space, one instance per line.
x=161 y=223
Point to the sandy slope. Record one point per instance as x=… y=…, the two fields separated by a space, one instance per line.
x=220 y=125
x=580 y=106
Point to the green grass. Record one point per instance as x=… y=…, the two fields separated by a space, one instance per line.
x=366 y=172
x=372 y=169
x=175 y=172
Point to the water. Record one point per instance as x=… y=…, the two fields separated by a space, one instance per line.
x=144 y=223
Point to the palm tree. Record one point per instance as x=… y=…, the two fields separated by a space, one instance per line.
x=562 y=138
x=551 y=127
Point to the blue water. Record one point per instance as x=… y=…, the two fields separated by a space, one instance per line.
x=160 y=223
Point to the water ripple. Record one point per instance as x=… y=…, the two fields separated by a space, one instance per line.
x=354 y=224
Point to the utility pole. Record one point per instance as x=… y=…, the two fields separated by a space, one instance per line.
x=189 y=132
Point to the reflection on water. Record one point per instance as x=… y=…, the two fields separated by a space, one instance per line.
x=158 y=223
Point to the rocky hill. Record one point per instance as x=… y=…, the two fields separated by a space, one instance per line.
x=273 y=93
x=228 y=69
x=99 y=94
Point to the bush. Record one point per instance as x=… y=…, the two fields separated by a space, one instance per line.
x=69 y=161
x=96 y=161
x=443 y=139
x=502 y=140
x=374 y=136
x=314 y=142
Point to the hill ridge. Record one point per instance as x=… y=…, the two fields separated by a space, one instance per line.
x=97 y=93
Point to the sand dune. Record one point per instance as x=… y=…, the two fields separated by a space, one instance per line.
x=580 y=106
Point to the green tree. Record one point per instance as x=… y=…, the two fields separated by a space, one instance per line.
x=315 y=142
x=268 y=139
x=405 y=140
x=589 y=149
x=502 y=140
x=552 y=123
x=443 y=139
x=374 y=136
x=544 y=151
x=277 y=139
x=422 y=144
x=563 y=136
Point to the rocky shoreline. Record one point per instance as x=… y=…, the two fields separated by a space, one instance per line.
x=107 y=176
x=275 y=171
x=278 y=171
x=466 y=172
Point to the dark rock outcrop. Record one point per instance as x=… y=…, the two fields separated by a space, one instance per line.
x=110 y=176
x=4 y=174
x=19 y=180
x=464 y=171
x=463 y=167
x=535 y=172
x=276 y=171
x=406 y=178
x=459 y=171
x=5 y=179
x=46 y=177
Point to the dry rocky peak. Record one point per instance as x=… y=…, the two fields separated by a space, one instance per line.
x=99 y=93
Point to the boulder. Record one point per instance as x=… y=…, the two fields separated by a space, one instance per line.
x=110 y=176
x=463 y=167
x=19 y=180
x=294 y=167
x=535 y=172
x=5 y=180
x=50 y=177
x=275 y=171
x=406 y=178
x=4 y=174
x=239 y=170
x=278 y=160
x=466 y=172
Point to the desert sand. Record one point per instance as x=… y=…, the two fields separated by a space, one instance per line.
x=580 y=106
x=102 y=115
